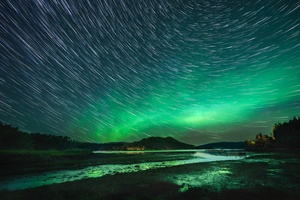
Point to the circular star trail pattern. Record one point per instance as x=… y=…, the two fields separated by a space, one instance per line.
x=114 y=70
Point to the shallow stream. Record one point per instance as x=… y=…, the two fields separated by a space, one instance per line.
x=60 y=176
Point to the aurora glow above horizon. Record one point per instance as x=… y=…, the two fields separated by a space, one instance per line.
x=106 y=71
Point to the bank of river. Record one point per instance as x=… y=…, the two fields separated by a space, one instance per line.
x=136 y=161
x=256 y=176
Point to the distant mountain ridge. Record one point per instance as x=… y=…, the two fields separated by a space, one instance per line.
x=154 y=143
x=223 y=145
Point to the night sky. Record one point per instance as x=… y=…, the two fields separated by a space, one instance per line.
x=113 y=70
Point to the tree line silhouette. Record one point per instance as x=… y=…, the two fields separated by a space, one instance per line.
x=12 y=138
x=284 y=135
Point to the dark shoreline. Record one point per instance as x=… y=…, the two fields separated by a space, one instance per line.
x=274 y=150
x=16 y=163
x=27 y=162
x=246 y=179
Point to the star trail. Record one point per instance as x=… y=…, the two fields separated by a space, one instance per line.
x=114 y=70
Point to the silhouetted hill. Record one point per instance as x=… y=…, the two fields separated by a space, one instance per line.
x=155 y=143
x=223 y=145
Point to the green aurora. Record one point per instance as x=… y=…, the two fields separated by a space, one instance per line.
x=108 y=71
x=225 y=103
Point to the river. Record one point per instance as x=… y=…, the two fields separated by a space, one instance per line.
x=150 y=160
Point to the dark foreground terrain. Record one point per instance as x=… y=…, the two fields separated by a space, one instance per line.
x=258 y=176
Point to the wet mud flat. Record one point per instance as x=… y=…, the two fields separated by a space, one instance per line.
x=116 y=162
x=259 y=176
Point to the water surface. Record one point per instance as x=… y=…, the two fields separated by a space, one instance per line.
x=136 y=161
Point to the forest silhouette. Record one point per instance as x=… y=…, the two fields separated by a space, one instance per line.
x=284 y=135
x=12 y=138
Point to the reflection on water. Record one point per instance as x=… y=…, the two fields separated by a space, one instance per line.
x=48 y=178
x=215 y=177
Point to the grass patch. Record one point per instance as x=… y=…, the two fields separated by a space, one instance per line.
x=55 y=153
x=12 y=157
x=13 y=162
